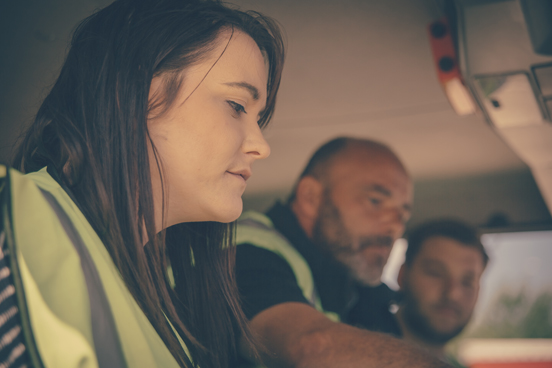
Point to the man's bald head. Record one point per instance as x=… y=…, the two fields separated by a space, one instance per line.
x=342 y=149
x=353 y=200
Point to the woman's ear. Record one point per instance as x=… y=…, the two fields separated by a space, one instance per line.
x=308 y=196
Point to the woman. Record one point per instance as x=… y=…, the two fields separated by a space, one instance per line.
x=142 y=148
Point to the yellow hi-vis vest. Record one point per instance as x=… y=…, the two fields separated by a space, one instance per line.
x=257 y=229
x=75 y=309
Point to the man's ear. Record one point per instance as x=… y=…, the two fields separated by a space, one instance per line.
x=401 y=276
x=309 y=196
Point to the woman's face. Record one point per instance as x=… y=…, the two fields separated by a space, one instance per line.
x=209 y=138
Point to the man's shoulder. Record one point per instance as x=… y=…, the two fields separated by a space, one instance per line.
x=256 y=229
x=255 y=218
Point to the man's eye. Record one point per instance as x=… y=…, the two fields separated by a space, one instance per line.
x=374 y=201
x=433 y=273
x=468 y=283
x=237 y=107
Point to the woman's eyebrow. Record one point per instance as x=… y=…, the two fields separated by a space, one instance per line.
x=244 y=85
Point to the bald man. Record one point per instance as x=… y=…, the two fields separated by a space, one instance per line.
x=298 y=264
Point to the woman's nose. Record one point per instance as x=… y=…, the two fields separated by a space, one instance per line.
x=255 y=144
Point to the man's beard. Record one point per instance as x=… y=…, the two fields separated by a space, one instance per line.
x=420 y=325
x=330 y=234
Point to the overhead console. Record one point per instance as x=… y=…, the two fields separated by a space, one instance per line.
x=505 y=58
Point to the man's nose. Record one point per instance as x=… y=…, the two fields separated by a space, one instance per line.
x=395 y=222
x=453 y=290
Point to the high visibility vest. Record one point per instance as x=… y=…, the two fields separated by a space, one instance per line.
x=75 y=308
x=257 y=229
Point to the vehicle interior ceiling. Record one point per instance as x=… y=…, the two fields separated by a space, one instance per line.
x=366 y=68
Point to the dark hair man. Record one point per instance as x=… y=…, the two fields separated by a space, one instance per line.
x=439 y=283
x=297 y=265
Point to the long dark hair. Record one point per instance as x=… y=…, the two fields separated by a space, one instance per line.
x=92 y=129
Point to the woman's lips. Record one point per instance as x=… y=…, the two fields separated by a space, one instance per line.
x=244 y=174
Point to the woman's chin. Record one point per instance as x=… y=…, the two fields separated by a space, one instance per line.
x=230 y=213
x=224 y=211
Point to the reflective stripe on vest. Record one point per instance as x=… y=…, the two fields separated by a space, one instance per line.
x=106 y=341
x=258 y=230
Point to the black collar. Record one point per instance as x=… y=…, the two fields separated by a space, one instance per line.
x=332 y=281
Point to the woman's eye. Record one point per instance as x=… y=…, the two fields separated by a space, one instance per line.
x=237 y=107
